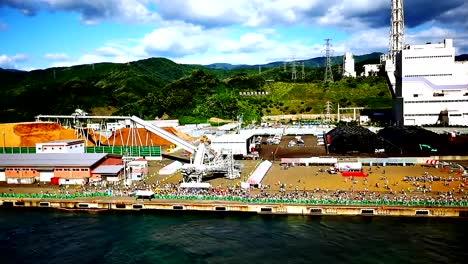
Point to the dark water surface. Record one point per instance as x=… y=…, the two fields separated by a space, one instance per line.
x=40 y=236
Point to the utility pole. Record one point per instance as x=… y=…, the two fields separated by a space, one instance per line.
x=328 y=70
x=294 y=72
x=303 y=71
x=328 y=108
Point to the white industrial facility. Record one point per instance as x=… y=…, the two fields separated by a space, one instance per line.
x=348 y=65
x=370 y=70
x=431 y=87
x=237 y=144
x=428 y=86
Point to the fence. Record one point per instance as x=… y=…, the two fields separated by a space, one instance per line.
x=136 y=151
x=250 y=200
x=18 y=150
x=53 y=196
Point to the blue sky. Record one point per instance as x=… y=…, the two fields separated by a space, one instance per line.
x=37 y=34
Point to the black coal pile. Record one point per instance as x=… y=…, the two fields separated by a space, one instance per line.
x=414 y=140
x=349 y=140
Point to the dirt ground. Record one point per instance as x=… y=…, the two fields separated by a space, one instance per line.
x=300 y=177
x=310 y=178
x=282 y=150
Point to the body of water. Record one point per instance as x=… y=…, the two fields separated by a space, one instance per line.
x=41 y=236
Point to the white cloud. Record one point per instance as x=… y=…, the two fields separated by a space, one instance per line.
x=178 y=40
x=366 y=41
x=254 y=13
x=90 y=11
x=56 y=56
x=433 y=34
x=11 y=62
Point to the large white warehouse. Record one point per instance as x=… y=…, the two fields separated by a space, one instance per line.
x=430 y=86
x=237 y=144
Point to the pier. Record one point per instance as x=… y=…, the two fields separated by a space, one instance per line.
x=87 y=205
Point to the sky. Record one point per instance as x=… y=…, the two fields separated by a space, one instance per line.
x=38 y=34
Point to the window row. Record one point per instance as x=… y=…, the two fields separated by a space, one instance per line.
x=434 y=114
x=421 y=114
x=428 y=75
x=67 y=169
x=44 y=148
x=428 y=57
x=20 y=169
x=436 y=101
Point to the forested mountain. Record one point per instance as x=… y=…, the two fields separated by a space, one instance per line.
x=310 y=63
x=153 y=87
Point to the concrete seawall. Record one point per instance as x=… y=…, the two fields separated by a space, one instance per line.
x=209 y=206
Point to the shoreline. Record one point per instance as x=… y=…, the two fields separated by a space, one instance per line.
x=207 y=206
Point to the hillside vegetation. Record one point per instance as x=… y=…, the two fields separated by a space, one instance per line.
x=155 y=87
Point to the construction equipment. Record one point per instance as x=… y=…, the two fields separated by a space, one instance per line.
x=170 y=148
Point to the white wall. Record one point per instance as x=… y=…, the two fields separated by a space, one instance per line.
x=236 y=148
x=2 y=176
x=59 y=148
x=71 y=181
x=46 y=176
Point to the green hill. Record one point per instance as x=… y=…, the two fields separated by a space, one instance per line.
x=153 y=87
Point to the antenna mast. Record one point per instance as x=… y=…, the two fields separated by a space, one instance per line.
x=397 y=29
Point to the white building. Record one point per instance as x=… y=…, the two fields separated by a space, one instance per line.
x=348 y=65
x=237 y=144
x=138 y=169
x=61 y=146
x=371 y=70
x=431 y=85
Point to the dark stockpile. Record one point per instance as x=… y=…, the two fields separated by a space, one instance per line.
x=348 y=140
x=412 y=140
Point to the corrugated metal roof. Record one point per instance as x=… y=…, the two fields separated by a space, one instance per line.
x=108 y=169
x=51 y=159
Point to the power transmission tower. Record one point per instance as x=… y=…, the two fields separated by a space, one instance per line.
x=294 y=72
x=303 y=71
x=328 y=108
x=328 y=70
x=284 y=66
x=397 y=29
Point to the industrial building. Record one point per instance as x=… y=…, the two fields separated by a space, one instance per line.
x=61 y=146
x=237 y=144
x=431 y=87
x=58 y=168
x=348 y=65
